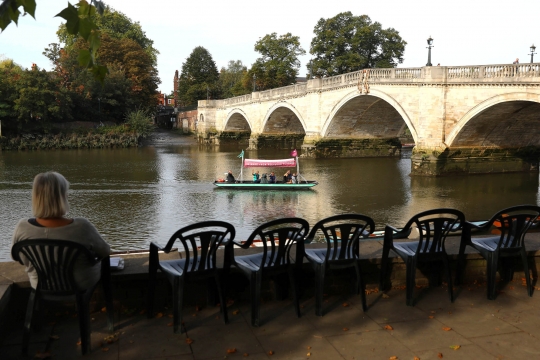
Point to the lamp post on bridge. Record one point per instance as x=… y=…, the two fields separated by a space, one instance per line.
x=254 y=83
x=532 y=52
x=430 y=45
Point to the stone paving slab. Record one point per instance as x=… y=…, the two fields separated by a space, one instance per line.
x=506 y=328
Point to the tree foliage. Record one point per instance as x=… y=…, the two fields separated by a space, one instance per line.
x=230 y=78
x=348 y=43
x=79 y=22
x=278 y=65
x=199 y=78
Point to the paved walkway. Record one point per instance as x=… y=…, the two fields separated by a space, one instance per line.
x=470 y=328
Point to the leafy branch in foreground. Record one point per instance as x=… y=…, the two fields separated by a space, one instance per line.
x=80 y=20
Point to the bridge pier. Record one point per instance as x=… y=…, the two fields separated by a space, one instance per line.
x=473 y=160
x=276 y=141
x=350 y=148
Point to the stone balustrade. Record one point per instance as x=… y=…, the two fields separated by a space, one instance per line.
x=504 y=73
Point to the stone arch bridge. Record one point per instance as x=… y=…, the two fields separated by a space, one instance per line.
x=460 y=120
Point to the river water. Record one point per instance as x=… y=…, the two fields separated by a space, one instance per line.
x=138 y=195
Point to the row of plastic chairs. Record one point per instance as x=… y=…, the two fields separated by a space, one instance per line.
x=282 y=243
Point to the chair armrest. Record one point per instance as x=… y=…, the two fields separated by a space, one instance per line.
x=155 y=247
x=245 y=245
x=478 y=227
x=397 y=233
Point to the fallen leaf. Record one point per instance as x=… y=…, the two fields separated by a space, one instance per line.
x=416 y=358
x=105 y=349
x=270 y=352
x=309 y=347
x=431 y=317
x=159 y=315
x=170 y=316
x=455 y=347
x=345 y=304
x=393 y=358
x=231 y=351
x=246 y=354
x=385 y=296
x=190 y=341
x=79 y=342
x=170 y=324
x=439 y=355
x=446 y=328
x=345 y=329
x=308 y=354
x=104 y=309
x=235 y=312
x=388 y=327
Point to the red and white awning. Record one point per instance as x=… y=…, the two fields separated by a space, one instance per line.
x=270 y=163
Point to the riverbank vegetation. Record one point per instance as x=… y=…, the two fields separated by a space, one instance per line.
x=40 y=105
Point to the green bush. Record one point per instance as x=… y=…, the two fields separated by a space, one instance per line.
x=140 y=122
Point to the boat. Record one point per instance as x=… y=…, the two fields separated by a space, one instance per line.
x=302 y=183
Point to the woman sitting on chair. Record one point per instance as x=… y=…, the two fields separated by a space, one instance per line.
x=50 y=205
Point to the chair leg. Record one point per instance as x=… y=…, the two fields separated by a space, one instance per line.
x=320 y=270
x=152 y=275
x=526 y=270
x=492 y=262
x=411 y=280
x=294 y=283
x=384 y=267
x=360 y=285
x=221 y=294
x=460 y=270
x=255 y=289
x=446 y=263
x=32 y=300
x=178 y=298
x=83 y=307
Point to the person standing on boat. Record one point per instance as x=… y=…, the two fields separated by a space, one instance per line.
x=230 y=177
x=294 y=179
x=256 y=177
x=272 y=178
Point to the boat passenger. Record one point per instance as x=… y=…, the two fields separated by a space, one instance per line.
x=272 y=179
x=264 y=179
x=294 y=179
x=287 y=177
x=230 y=177
x=256 y=177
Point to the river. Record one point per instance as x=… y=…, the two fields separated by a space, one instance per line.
x=138 y=195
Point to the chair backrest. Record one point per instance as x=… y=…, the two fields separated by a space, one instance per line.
x=277 y=238
x=53 y=261
x=200 y=242
x=513 y=223
x=433 y=227
x=342 y=234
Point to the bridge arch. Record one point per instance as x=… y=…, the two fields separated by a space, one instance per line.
x=374 y=97
x=283 y=118
x=510 y=120
x=237 y=120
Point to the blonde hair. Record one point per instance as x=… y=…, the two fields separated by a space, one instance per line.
x=49 y=195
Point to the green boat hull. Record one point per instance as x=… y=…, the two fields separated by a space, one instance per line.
x=249 y=185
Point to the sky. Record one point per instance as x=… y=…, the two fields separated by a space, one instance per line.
x=464 y=32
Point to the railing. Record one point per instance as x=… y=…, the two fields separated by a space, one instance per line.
x=474 y=73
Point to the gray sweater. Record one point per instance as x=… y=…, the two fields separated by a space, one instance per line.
x=81 y=231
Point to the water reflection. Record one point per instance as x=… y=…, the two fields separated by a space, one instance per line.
x=134 y=196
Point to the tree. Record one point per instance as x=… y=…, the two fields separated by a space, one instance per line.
x=278 y=66
x=199 y=78
x=347 y=43
x=79 y=22
x=230 y=79
x=117 y=26
x=10 y=73
x=41 y=99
